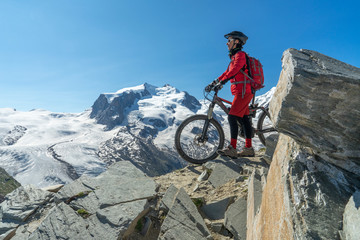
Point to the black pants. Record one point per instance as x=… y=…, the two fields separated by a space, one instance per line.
x=245 y=124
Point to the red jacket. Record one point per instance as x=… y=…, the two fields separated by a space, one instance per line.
x=238 y=61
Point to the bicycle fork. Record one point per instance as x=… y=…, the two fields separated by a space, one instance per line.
x=203 y=137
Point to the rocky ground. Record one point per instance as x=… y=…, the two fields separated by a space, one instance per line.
x=208 y=201
x=204 y=190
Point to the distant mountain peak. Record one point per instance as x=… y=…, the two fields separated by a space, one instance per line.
x=112 y=109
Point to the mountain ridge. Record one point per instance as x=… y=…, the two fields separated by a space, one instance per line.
x=47 y=147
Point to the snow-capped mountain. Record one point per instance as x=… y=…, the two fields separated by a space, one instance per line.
x=134 y=124
x=156 y=107
x=146 y=118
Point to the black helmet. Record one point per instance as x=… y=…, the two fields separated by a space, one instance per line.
x=237 y=35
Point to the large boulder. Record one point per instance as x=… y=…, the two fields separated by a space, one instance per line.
x=316 y=164
x=317 y=103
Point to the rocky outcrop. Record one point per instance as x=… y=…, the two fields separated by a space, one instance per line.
x=316 y=102
x=112 y=113
x=190 y=102
x=14 y=135
x=314 y=173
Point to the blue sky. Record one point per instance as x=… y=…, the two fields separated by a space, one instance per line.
x=61 y=55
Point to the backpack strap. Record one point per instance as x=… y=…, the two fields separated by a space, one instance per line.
x=245 y=81
x=248 y=67
x=248 y=64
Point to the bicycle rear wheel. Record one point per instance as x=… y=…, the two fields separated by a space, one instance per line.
x=187 y=141
x=264 y=126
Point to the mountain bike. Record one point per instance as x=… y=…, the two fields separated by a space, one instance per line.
x=198 y=137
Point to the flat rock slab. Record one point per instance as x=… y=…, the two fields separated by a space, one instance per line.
x=216 y=210
x=168 y=199
x=74 y=188
x=235 y=218
x=123 y=217
x=224 y=172
x=22 y=202
x=62 y=223
x=121 y=183
x=184 y=221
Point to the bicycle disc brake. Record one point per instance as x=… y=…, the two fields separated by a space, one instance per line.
x=198 y=141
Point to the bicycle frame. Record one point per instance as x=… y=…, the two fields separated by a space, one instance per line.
x=198 y=137
x=220 y=102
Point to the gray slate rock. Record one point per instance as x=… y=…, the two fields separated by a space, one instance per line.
x=123 y=217
x=316 y=102
x=184 y=221
x=22 y=202
x=168 y=199
x=127 y=184
x=255 y=189
x=121 y=183
x=271 y=142
x=224 y=172
x=7 y=229
x=62 y=223
x=74 y=188
x=216 y=210
x=235 y=218
x=114 y=202
x=54 y=188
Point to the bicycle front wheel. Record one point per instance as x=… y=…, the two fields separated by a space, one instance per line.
x=188 y=141
x=264 y=126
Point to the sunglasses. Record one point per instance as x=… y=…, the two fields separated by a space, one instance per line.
x=230 y=40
